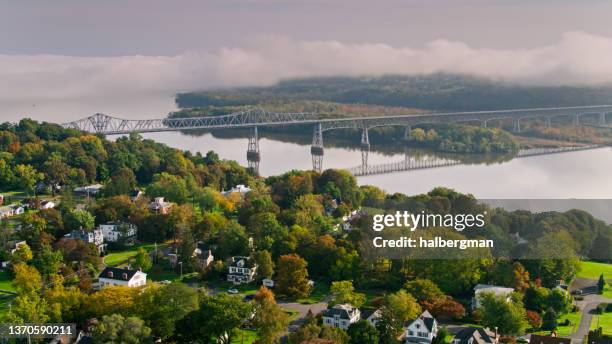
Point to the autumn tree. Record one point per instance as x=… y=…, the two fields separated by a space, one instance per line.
x=265 y=265
x=423 y=289
x=117 y=329
x=507 y=316
x=292 y=276
x=142 y=260
x=271 y=320
x=362 y=332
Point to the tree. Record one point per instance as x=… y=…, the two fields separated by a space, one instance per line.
x=22 y=254
x=362 y=332
x=520 y=277
x=559 y=300
x=142 y=260
x=344 y=292
x=601 y=284
x=403 y=305
x=445 y=308
x=173 y=188
x=27 y=177
x=48 y=261
x=27 y=279
x=497 y=311
x=110 y=300
x=79 y=219
x=549 y=321
x=172 y=303
x=269 y=319
x=57 y=172
x=534 y=319
x=423 y=289
x=122 y=182
x=216 y=319
x=292 y=276
x=265 y=265
x=117 y=329
x=440 y=337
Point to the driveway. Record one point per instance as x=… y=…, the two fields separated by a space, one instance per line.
x=587 y=306
x=303 y=309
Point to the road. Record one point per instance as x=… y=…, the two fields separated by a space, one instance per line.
x=587 y=305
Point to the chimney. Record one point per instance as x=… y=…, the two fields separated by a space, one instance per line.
x=124 y=276
x=110 y=274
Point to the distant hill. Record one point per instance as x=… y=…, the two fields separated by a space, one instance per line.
x=438 y=92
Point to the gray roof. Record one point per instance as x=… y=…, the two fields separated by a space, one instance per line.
x=117 y=274
x=343 y=311
x=479 y=335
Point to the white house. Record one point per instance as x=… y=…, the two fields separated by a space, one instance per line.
x=116 y=231
x=88 y=190
x=94 y=236
x=241 y=270
x=18 y=209
x=493 y=289
x=341 y=316
x=135 y=195
x=46 y=205
x=372 y=316
x=160 y=206
x=239 y=189
x=125 y=277
x=422 y=330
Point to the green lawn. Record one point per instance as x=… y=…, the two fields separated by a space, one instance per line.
x=5 y=281
x=593 y=270
x=604 y=321
x=246 y=289
x=564 y=331
x=320 y=292
x=117 y=258
x=244 y=337
x=4 y=302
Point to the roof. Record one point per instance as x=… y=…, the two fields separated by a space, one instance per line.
x=118 y=274
x=495 y=289
x=242 y=262
x=538 y=339
x=479 y=335
x=366 y=313
x=427 y=319
x=342 y=310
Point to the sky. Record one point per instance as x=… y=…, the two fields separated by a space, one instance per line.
x=65 y=51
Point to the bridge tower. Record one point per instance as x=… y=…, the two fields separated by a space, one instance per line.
x=316 y=150
x=548 y=122
x=483 y=124
x=365 y=146
x=407 y=131
x=253 y=155
x=516 y=125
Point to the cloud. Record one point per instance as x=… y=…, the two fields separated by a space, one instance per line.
x=578 y=58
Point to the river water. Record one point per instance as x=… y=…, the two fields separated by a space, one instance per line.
x=583 y=174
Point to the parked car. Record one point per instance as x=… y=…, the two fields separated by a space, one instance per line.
x=232 y=291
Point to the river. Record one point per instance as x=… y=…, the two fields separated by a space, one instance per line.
x=584 y=174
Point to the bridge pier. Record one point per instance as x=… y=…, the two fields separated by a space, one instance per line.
x=548 y=122
x=316 y=150
x=577 y=120
x=483 y=124
x=365 y=139
x=407 y=131
x=602 y=119
x=253 y=155
x=516 y=125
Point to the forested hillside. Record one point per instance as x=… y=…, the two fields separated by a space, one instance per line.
x=436 y=92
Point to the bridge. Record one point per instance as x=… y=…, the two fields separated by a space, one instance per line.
x=108 y=125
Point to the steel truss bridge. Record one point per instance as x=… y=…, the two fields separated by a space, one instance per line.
x=108 y=125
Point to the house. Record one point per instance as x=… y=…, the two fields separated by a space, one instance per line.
x=422 y=330
x=495 y=290
x=341 y=316
x=88 y=190
x=372 y=316
x=1 y=199
x=135 y=195
x=473 y=335
x=160 y=206
x=203 y=255
x=552 y=339
x=15 y=245
x=94 y=236
x=18 y=209
x=118 y=231
x=46 y=205
x=125 y=277
x=241 y=270
x=239 y=189
x=6 y=211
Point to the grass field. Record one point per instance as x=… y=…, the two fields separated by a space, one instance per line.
x=564 y=331
x=5 y=281
x=592 y=270
x=4 y=305
x=604 y=321
x=116 y=258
